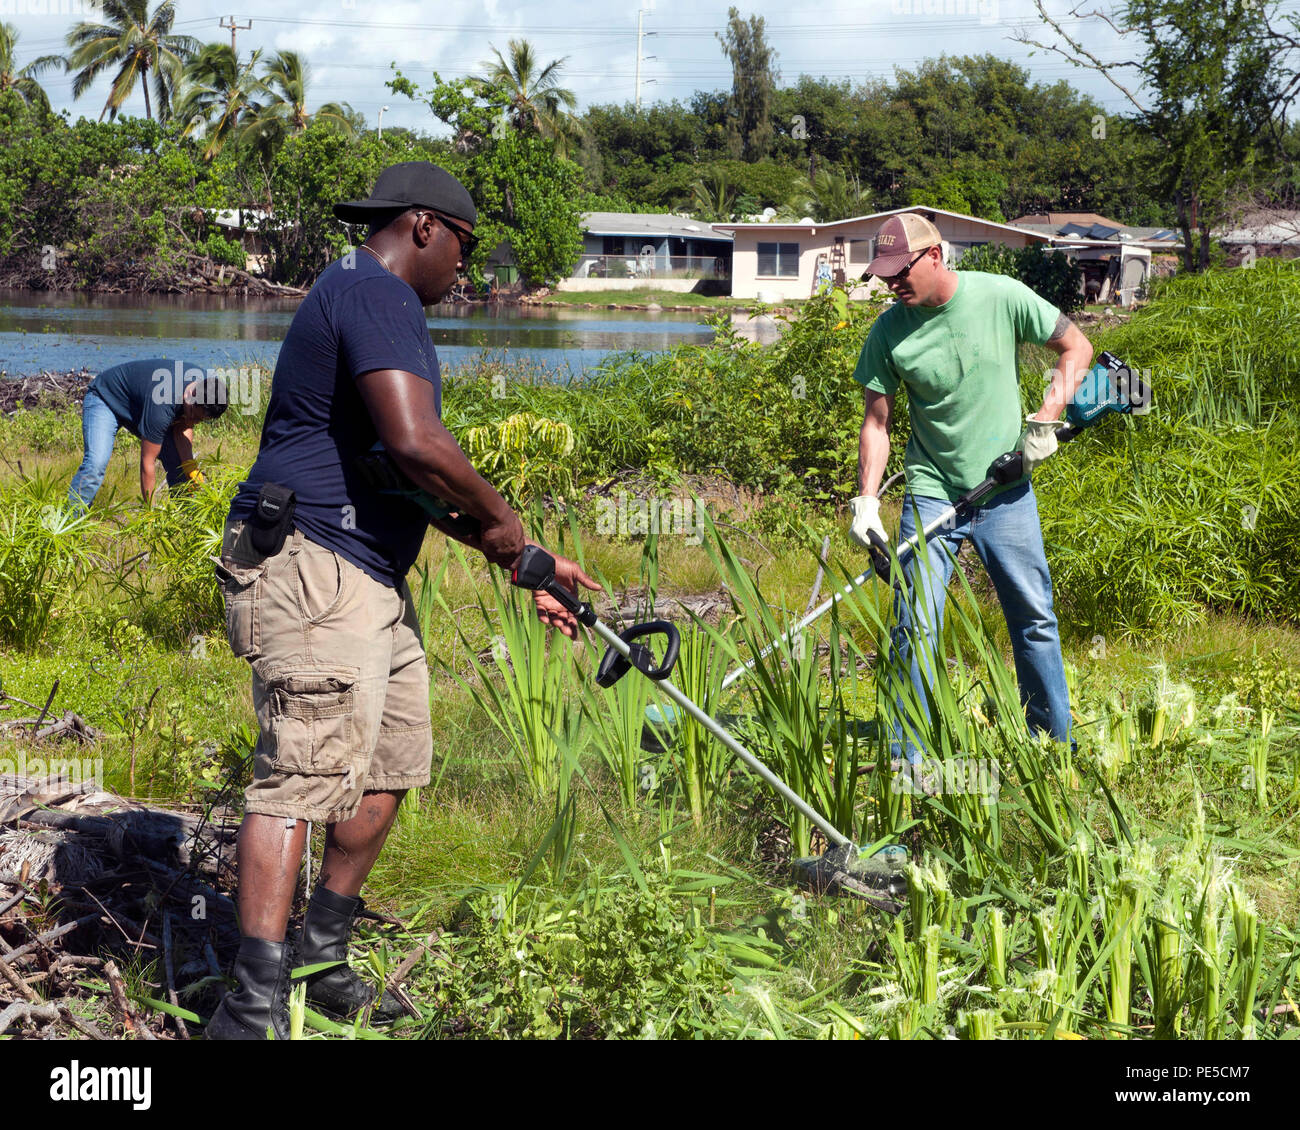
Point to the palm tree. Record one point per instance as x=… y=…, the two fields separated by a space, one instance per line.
x=537 y=99
x=135 y=43
x=23 y=82
x=217 y=91
x=829 y=196
x=713 y=197
x=284 y=81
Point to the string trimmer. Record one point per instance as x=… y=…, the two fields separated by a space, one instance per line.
x=1109 y=388
x=846 y=865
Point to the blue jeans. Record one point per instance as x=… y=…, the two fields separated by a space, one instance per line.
x=98 y=431
x=1009 y=540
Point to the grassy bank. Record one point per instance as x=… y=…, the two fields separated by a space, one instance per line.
x=644 y=297
x=1146 y=886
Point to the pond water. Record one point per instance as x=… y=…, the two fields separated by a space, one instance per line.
x=66 y=331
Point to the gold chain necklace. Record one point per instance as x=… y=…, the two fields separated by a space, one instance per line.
x=367 y=247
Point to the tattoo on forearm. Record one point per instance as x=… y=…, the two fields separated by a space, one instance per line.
x=1062 y=324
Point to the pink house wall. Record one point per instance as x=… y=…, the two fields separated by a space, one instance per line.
x=818 y=239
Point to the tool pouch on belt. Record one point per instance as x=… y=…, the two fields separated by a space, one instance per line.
x=272 y=518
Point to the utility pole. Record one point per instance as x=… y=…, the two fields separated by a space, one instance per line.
x=640 y=33
x=234 y=29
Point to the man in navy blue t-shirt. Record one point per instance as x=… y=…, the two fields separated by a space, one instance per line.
x=325 y=617
x=158 y=401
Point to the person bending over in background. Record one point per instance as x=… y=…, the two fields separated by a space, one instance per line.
x=156 y=401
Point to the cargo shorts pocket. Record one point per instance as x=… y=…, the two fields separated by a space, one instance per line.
x=240 y=592
x=310 y=719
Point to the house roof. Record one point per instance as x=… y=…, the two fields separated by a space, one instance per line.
x=1060 y=219
x=880 y=216
x=1160 y=238
x=641 y=224
x=252 y=218
x=1263 y=228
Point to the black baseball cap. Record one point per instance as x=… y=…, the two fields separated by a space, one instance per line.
x=412 y=184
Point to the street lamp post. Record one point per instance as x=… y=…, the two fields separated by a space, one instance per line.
x=381 y=120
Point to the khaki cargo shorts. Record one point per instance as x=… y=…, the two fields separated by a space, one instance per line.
x=340 y=683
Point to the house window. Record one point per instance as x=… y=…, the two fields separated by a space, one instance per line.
x=778 y=260
x=860 y=251
x=614 y=245
x=957 y=249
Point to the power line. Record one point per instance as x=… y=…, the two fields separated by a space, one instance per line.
x=234 y=29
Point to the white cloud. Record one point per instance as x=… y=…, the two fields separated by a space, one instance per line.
x=351 y=43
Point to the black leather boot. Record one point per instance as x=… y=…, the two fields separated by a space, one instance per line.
x=262 y=969
x=338 y=993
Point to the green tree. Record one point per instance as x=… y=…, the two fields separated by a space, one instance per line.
x=282 y=111
x=830 y=195
x=972 y=192
x=713 y=197
x=217 y=89
x=749 y=126
x=815 y=121
x=23 y=81
x=93 y=204
x=523 y=190
x=624 y=149
x=536 y=99
x=766 y=183
x=311 y=172
x=135 y=45
x=1214 y=85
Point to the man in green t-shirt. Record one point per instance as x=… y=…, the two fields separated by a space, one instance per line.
x=950 y=341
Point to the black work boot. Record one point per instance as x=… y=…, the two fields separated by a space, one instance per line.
x=262 y=1000
x=338 y=993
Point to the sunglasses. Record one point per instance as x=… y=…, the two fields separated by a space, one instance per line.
x=467 y=240
x=887 y=279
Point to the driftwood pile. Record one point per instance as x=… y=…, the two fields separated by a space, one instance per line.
x=91 y=885
x=186 y=273
x=200 y=275
x=44 y=390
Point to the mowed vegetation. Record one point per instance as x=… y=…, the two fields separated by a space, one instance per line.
x=1144 y=887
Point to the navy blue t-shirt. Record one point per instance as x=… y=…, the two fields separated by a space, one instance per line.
x=146 y=396
x=358 y=317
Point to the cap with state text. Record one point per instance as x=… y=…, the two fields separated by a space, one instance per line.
x=900 y=238
x=412 y=184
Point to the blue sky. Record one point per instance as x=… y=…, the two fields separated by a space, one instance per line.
x=350 y=44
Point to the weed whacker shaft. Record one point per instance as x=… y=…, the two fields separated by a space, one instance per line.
x=536 y=570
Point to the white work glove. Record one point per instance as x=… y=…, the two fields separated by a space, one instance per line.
x=1039 y=442
x=866 y=516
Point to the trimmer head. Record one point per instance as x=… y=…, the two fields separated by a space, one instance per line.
x=878 y=879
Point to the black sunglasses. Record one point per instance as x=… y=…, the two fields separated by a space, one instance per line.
x=467 y=240
x=904 y=272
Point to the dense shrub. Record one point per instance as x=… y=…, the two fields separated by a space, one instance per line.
x=1048 y=273
x=1192 y=505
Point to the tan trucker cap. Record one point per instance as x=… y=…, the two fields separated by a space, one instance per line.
x=899 y=239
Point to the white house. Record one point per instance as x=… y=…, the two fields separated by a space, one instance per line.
x=776 y=261
x=620 y=249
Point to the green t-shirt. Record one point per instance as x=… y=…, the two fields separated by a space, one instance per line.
x=958 y=364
